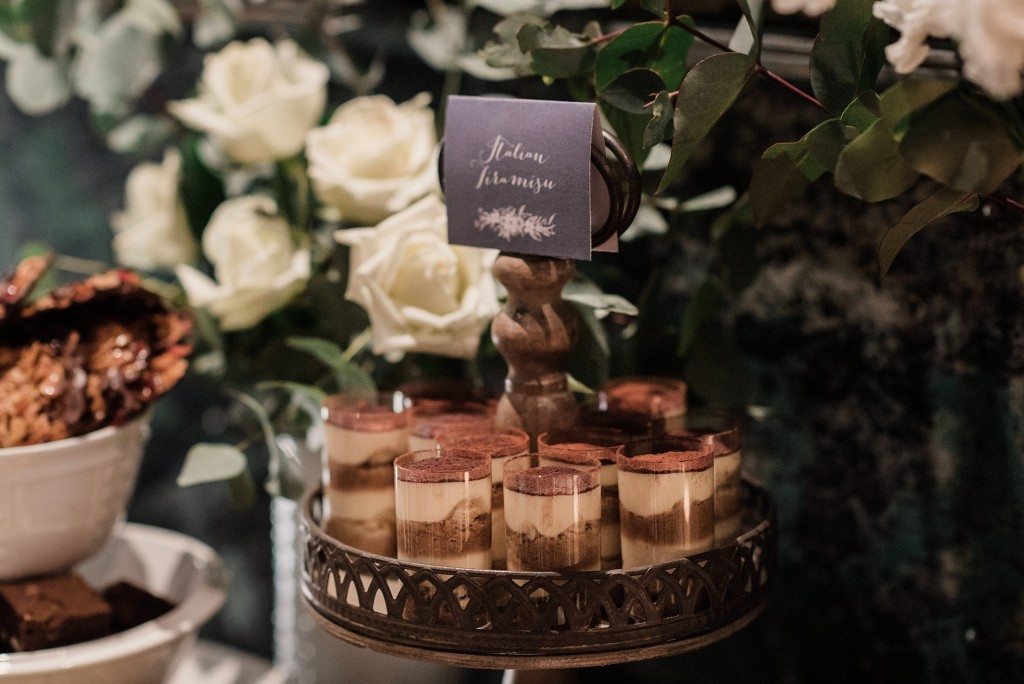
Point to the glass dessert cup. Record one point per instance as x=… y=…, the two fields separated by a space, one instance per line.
x=443 y=507
x=661 y=399
x=362 y=436
x=426 y=428
x=553 y=515
x=500 y=444
x=721 y=433
x=666 y=500
x=433 y=396
x=572 y=446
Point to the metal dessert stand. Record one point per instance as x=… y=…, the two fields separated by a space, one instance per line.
x=500 y=619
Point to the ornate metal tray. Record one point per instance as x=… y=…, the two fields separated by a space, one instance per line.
x=531 y=620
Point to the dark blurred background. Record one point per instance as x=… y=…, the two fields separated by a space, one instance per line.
x=884 y=414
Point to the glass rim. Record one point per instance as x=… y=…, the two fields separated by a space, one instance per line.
x=463 y=465
x=428 y=425
x=665 y=394
x=367 y=411
x=722 y=431
x=667 y=462
x=498 y=442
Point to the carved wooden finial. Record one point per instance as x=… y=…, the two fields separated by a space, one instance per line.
x=535 y=332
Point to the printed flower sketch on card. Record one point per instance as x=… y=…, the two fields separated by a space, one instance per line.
x=510 y=222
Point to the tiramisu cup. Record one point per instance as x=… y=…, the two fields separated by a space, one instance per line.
x=606 y=446
x=662 y=399
x=722 y=435
x=553 y=515
x=500 y=444
x=443 y=507
x=361 y=440
x=426 y=428
x=433 y=396
x=666 y=501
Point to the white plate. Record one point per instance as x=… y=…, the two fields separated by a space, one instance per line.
x=167 y=564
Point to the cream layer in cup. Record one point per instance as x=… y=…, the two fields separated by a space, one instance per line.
x=362 y=437
x=443 y=507
x=606 y=446
x=501 y=444
x=666 y=503
x=552 y=515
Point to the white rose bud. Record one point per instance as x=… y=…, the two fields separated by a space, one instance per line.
x=257 y=268
x=152 y=231
x=257 y=101
x=374 y=157
x=422 y=294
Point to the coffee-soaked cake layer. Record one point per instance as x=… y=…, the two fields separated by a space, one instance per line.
x=574 y=549
x=461 y=539
x=374 y=535
x=685 y=524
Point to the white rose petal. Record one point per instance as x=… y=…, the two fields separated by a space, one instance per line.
x=811 y=8
x=257 y=268
x=152 y=231
x=374 y=157
x=257 y=101
x=422 y=294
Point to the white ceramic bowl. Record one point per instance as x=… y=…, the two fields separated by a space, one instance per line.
x=165 y=563
x=61 y=499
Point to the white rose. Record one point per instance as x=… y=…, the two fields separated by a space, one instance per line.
x=992 y=46
x=257 y=101
x=374 y=157
x=421 y=293
x=811 y=8
x=989 y=33
x=258 y=269
x=152 y=231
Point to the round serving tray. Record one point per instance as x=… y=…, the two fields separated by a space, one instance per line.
x=539 y=620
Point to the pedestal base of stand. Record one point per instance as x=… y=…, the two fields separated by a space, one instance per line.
x=512 y=661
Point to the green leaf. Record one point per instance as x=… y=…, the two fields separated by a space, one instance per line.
x=848 y=53
x=862 y=112
x=629 y=128
x=910 y=95
x=557 y=52
x=589 y=361
x=777 y=181
x=943 y=202
x=604 y=303
x=747 y=36
x=631 y=91
x=707 y=92
x=308 y=393
x=961 y=142
x=206 y=463
x=661 y=120
x=782 y=173
x=703 y=307
x=349 y=377
x=636 y=47
x=201 y=190
x=504 y=52
x=578 y=387
x=871 y=167
x=43 y=16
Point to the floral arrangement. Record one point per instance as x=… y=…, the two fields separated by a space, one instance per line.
x=310 y=238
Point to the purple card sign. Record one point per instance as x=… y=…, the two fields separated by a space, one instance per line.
x=517 y=175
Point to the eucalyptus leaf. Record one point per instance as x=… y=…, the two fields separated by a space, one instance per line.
x=777 y=181
x=661 y=120
x=603 y=303
x=141 y=134
x=707 y=92
x=348 y=376
x=747 y=36
x=206 y=463
x=909 y=95
x=649 y=45
x=860 y=113
x=632 y=91
x=630 y=128
x=871 y=167
x=848 y=53
x=503 y=52
x=943 y=202
x=589 y=362
x=557 y=52
x=962 y=142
